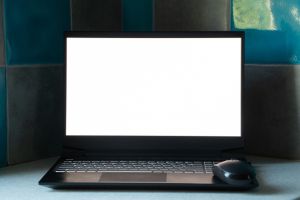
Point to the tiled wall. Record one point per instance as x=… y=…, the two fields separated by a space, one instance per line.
x=34 y=57
x=272 y=75
x=34 y=54
x=272 y=52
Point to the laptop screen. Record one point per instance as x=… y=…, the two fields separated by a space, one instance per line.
x=153 y=87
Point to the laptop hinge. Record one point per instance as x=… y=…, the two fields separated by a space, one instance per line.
x=170 y=155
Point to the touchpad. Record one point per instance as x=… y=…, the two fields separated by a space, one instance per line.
x=132 y=177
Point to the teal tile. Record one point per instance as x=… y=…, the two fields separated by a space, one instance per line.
x=3 y=136
x=267 y=47
x=137 y=15
x=2 y=60
x=34 y=31
x=272 y=30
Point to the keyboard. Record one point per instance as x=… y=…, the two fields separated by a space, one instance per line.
x=79 y=166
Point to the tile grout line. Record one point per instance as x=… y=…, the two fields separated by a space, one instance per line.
x=36 y=65
x=272 y=65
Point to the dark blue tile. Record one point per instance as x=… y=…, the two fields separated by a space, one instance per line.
x=34 y=31
x=192 y=15
x=3 y=136
x=137 y=15
x=96 y=15
x=35 y=112
x=265 y=47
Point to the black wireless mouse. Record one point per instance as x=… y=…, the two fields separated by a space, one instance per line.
x=235 y=172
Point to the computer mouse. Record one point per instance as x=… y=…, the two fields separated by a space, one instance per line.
x=235 y=172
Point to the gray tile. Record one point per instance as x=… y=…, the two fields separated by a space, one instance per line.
x=272 y=108
x=96 y=15
x=192 y=15
x=35 y=112
x=3 y=134
x=2 y=58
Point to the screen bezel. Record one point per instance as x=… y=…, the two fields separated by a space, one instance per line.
x=143 y=145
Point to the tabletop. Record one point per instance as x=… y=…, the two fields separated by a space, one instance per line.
x=278 y=179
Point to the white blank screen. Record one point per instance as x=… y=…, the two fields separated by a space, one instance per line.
x=154 y=86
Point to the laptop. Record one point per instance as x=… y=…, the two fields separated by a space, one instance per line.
x=150 y=109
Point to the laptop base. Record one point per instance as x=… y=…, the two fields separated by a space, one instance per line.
x=136 y=180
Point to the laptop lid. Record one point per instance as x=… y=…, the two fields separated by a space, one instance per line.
x=156 y=93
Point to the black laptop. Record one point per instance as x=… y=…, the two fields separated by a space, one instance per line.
x=150 y=110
